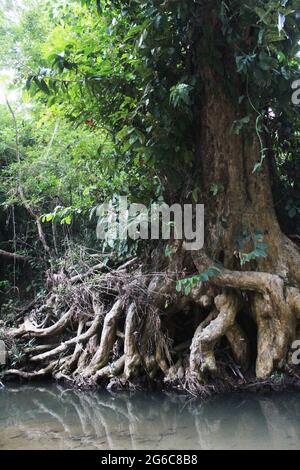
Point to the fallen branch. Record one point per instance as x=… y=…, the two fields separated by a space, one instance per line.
x=80 y=277
x=14 y=256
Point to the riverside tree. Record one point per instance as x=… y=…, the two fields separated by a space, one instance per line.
x=196 y=101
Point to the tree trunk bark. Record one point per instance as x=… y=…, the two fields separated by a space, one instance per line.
x=238 y=205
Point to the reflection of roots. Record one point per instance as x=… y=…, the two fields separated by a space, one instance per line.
x=121 y=326
x=105 y=421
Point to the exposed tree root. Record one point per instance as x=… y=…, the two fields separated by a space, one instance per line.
x=118 y=327
x=112 y=370
x=28 y=328
x=275 y=307
x=132 y=356
x=30 y=375
x=108 y=337
x=78 y=340
x=202 y=358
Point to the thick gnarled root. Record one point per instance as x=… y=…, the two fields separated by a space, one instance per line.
x=132 y=356
x=108 y=337
x=276 y=332
x=221 y=322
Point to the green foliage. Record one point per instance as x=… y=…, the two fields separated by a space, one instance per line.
x=293 y=207
x=180 y=95
x=256 y=240
x=188 y=284
x=108 y=101
x=169 y=251
x=239 y=125
x=216 y=188
x=125 y=70
x=4 y=285
x=16 y=354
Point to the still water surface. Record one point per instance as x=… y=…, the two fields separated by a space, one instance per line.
x=53 y=417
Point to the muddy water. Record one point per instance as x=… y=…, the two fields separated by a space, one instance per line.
x=52 y=417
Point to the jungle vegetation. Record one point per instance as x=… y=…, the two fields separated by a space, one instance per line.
x=162 y=101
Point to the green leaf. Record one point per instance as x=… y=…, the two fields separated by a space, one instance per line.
x=42 y=85
x=192 y=282
x=239 y=124
x=257 y=167
x=178 y=286
x=180 y=95
x=187 y=291
x=281 y=21
x=216 y=188
x=66 y=220
x=99 y=7
x=195 y=195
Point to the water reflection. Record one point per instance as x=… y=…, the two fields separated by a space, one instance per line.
x=52 y=417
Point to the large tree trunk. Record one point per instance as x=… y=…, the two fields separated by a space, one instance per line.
x=244 y=203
